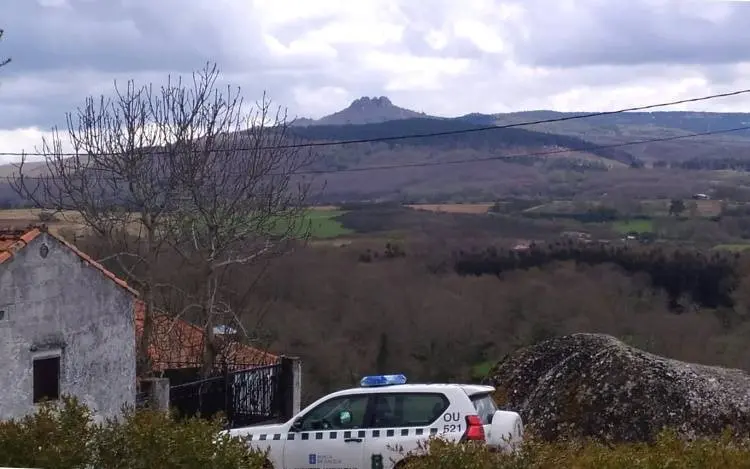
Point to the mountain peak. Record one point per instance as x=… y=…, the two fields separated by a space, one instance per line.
x=366 y=101
x=366 y=110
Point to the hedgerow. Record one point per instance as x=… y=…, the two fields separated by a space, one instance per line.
x=669 y=451
x=65 y=436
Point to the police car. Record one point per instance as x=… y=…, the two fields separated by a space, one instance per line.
x=382 y=423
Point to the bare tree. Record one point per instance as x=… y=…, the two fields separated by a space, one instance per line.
x=186 y=169
x=3 y=61
x=240 y=202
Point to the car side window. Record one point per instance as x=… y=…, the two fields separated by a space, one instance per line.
x=407 y=409
x=485 y=406
x=338 y=413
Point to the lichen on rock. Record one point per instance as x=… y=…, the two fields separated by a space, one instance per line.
x=593 y=385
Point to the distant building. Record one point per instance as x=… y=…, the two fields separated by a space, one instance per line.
x=576 y=235
x=66 y=327
x=522 y=245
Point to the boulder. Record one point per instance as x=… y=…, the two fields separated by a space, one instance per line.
x=593 y=385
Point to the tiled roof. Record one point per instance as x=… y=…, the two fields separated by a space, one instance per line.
x=13 y=240
x=179 y=344
x=176 y=343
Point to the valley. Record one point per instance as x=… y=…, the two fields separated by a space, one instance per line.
x=584 y=157
x=216 y=218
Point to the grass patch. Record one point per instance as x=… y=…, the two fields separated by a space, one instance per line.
x=634 y=226
x=693 y=208
x=321 y=219
x=669 y=451
x=482 y=208
x=561 y=206
x=323 y=224
x=732 y=247
x=655 y=207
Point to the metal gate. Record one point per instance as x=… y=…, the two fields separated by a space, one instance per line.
x=245 y=397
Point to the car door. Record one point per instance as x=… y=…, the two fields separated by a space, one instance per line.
x=401 y=424
x=332 y=434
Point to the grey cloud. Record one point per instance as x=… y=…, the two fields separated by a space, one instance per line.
x=290 y=31
x=68 y=53
x=43 y=98
x=60 y=55
x=111 y=36
x=607 y=32
x=46 y=110
x=721 y=74
x=419 y=22
x=415 y=42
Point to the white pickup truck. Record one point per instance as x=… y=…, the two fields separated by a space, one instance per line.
x=383 y=422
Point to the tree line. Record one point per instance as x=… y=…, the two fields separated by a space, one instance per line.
x=508 y=138
x=708 y=279
x=710 y=164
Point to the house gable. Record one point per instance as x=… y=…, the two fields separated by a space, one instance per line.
x=58 y=304
x=176 y=343
x=14 y=240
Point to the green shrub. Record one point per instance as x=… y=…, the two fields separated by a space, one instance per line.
x=65 y=437
x=53 y=437
x=726 y=452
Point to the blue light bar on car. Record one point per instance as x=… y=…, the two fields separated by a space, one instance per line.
x=382 y=380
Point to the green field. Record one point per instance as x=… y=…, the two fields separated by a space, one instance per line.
x=733 y=247
x=633 y=226
x=561 y=206
x=323 y=225
x=321 y=222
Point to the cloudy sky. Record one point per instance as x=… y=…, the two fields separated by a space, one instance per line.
x=444 y=57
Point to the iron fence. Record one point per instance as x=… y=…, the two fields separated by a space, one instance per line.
x=244 y=397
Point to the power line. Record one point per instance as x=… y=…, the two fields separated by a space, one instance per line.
x=436 y=134
x=521 y=155
x=492 y=158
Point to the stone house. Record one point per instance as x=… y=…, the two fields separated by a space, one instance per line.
x=69 y=326
x=66 y=327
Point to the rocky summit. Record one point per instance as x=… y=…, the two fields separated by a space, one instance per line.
x=593 y=385
x=365 y=110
